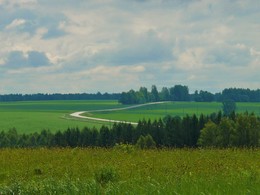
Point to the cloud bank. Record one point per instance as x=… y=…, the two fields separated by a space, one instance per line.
x=112 y=46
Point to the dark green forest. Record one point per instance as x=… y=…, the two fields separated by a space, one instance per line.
x=215 y=130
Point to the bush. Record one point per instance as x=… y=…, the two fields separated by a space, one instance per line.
x=146 y=142
x=126 y=148
x=106 y=175
x=37 y=172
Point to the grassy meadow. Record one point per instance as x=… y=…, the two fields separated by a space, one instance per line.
x=123 y=170
x=34 y=116
x=172 y=108
x=28 y=117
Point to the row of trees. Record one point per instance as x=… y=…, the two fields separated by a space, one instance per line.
x=58 y=96
x=176 y=93
x=241 y=130
x=181 y=93
x=241 y=95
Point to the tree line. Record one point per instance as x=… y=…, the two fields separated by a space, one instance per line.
x=241 y=95
x=215 y=130
x=181 y=93
x=176 y=93
x=59 y=96
x=143 y=95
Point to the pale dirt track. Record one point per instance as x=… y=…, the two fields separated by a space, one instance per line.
x=79 y=114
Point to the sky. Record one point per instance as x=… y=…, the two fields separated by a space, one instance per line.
x=75 y=46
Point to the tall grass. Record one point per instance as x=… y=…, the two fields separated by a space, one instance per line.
x=115 y=171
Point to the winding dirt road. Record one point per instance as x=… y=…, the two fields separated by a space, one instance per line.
x=79 y=114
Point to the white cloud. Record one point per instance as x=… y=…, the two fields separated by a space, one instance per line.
x=101 y=72
x=34 y=70
x=15 y=23
x=191 y=59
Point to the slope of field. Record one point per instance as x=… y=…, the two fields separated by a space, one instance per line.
x=172 y=108
x=38 y=115
x=129 y=171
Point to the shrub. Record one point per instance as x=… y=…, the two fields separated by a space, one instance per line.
x=106 y=175
x=126 y=148
x=146 y=142
x=37 y=171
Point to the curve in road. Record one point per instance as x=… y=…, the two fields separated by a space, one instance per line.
x=79 y=114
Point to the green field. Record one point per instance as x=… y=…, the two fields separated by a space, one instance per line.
x=38 y=115
x=120 y=171
x=174 y=109
x=53 y=115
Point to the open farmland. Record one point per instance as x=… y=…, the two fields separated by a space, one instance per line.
x=34 y=116
x=129 y=171
x=172 y=108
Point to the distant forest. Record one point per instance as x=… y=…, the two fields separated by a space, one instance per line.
x=143 y=95
x=181 y=93
x=58 y=96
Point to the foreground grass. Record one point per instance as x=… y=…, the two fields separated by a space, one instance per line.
x=123 y=171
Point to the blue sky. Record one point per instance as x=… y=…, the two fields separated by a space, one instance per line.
x=57 y=46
